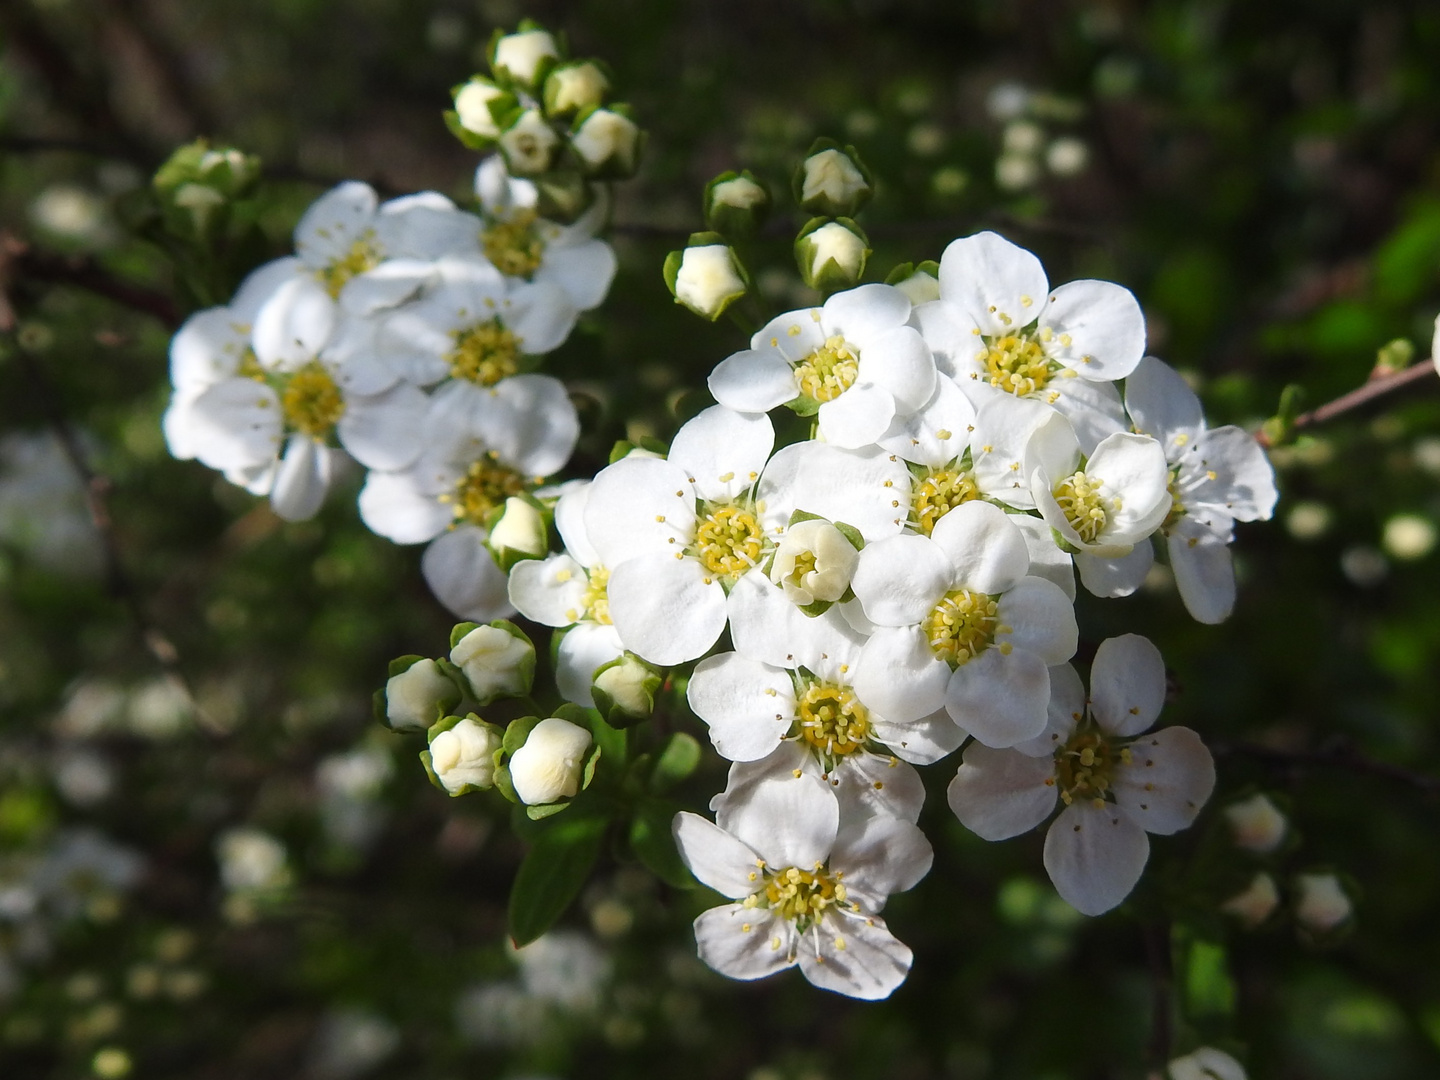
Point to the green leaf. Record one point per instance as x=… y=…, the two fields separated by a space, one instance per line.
x=552 y=874
x=654 y=844
x=679 y=758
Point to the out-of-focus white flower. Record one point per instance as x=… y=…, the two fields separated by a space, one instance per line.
x=607 y=143
x=419 y=696
x=529 y=144
x=74 y=213
x=1255 y=903
x=547 y=768
x=43 y=510
x=574 y=87
x=1206 y=1063
x=500 y=1014
x=1067 y=156
x=251 y=860
x=472 y=105
x=1007 y=101
x=1014 y=172
x=519 y=56
x=1321 y=903
x=566 y=968
x=1409 y=536
x=1256 y=824
x=350 y=1042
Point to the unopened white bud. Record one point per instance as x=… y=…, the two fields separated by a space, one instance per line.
x=1256 y=903
x=1256 y=824
x=572 y=88
x=708 y=280
x=608 y=143
x=741 y=193
x=920 y=287
x=521 y=529
x=520 y=55
x=831 y=183
x=547 y=768
x=465 y=754
x=414 y=699
x=630 y=686
x=472 y=105
x=494 y=661
x=529 y=144
x=1322 y=903
x=832 y=257
x=813 y=562
x=1207 y=1063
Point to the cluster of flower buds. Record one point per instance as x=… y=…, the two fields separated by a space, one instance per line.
x=550 y=117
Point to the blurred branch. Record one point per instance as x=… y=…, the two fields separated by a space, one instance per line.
x=1342 y=756
x=19 y=261
x=30 y=144
x=1378 y=386
x=1162 y=977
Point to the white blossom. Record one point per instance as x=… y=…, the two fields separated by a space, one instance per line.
x=1206 y=1063
x=1257 y=824
x=472 y=106
x=519 y=56
x=1322 y=903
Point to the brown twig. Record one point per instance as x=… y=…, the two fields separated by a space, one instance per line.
x=1378 y=386
x=19 y=261
x=1342 y=757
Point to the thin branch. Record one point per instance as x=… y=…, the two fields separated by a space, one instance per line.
x=19 y=261
x=1162 y=978
x=1341 y=757
x=1377 y=387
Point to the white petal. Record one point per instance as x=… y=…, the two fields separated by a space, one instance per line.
x=207 y=348
x=1133 y=469
x=866 y=489
x=1095 y=855
x=584 y=648
x=666 y=610
x=1105 y=327
x=717 y=859
x=462 y=574
x=333 y=222
x=635 y=506
x=530 y=422
x=302 y=480
x=1204 y=571
x=865 y=312
x=952 y=336
x=1065 y=711
x=899 y=676
x=541 y=315
x=794 y=335
x=880 y=856
x=549 y=590
x=1003 y=426
x=1046 y=560
x=764 y=625
x=1225 y=467
x=1093 y=409
x=1127 y=684
x=234 y=424
x=900 y=362
x=998 y=794
x=989 y=279
x=920 y=742
x=385 y=431
x=900 y=580
x=857 y=417
x=723 y=451
x=1041 y=620
x=787 y=822
x=294 y=325
x=872 y=964
x=753 y=381
x=1001 y=700
x=918 y=437
x=987 y=551
x=584 y=271
x=391 y=283
x=1163 y=406
x=570 y=523
x=1170 y=776
x=393 y=506
x=871 y=786
x=748 y=706
x=744 y=943
x=260 y=284
x=1119 y=575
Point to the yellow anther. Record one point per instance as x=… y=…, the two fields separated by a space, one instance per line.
x=484 y=353
x=311 y=401
x=937 y=493
x=596 y=596
x=829 y=371
x=364 y=254
x=514 y=245
x=961 y=626
x=728 y=541
x=1080 y=501
x=832 y=719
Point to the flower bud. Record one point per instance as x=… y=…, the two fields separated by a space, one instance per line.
x=1321 y=904
x=227 y=171
x=1206 y=1063
x=607 y=142
x=529 y=144
x=832 y=182
x=1256 y=903
x=706 y=277
x=472 y=106
x=736 y=204
x=920 y=283
x=495 y=661
x=574 y=87
x=1256 y=824
x=523 y=56
x=418 y=696
x=831 y=254
x=624 y=690
x=548 y=767
x=464 y=756
x=813 y=563
x=519 y=533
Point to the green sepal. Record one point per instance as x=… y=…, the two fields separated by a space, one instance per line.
x=553 y=873
x=1063 y=544
x=459 y=630
x=803 y=406
x=379 y=708
x=797 y=516
x=653 y=842
x=623 y=447
x=902 y=272
x=852 y=534
x=678 y=760
x=402 y=664
x=928 y=266
x=816 y=608
x=430 y=770
x=539 y=813
x=562 y=193
x=1280 y=428
x=516 y=732
x=469 y=139
x=830 y=277
x=822 y=204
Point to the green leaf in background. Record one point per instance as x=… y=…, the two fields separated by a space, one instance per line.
x=654 y=845
x=679 y=758
x=552 y=874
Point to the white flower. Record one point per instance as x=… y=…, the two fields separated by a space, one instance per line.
x=1255 y=903
x=608 y=143
x=1321 y=904
x=1218 y=476
x=418 y=696
x=674 y=533
x=547 y=768
x=1206 y=1063
x=565 y=967
x=1257 y=824
x=570 y=589
x=962 y=625
x=519 y=56
x=853 y=362
x=805 y=892
x=251 y=860
x=832 y=256
x=464 y=756
x=472 y=105
x=574 y=87
x=43 y=505
x=813 y=562
x=529 y=144
x=1116 y=782
x=494 y=661
x=708 y=279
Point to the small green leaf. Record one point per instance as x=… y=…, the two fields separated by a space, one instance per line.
x=679 y=758
x=654 y=844
x=552 y=874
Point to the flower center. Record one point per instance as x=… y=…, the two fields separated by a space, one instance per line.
x=311 y=401
x=832 y=719
x=728 y=541
x=799 y=895
x=1016 y=363
x=1081 y=503
x=596 y=598
x=962 y=625
x=250 y=367
x=1177 y=508
x=941 y=491
x=363 y=255
x=828 y=371
x=484 y=353
x=514 y=245
x=485 y=485
x=1085 y=768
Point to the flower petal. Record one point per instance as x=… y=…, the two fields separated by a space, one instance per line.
x=900 y=362
x=302 y=480
x=1168 y=779
x=880 y=856
x=871 y=786
x=899 y=676
x=744 y=943
x=385 y=431
x=998 y=794
x=900 y=580
x=462 y=574
x=392 y=505
x=1163 y=406
x=857 y=417
x=1204 y=571
x=1000 y=699
x=716 y=858
x=920 y=742
x=1095 y=855
x=1127 y=684
x=723 y=451
x=1041 y=620
x=865 y=312
x=550 y=590
x=1118 y=575
x=756 y=380
x=988 y=552
x=854 y=955
x=918 y=437
x=584 y=648
x=990 y=279
x=748 y=706
x=1104 y=327
x=867 y=489
x=787 y=822
x=639 y=506
x=666 y=610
